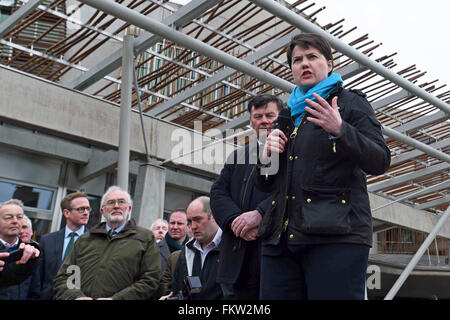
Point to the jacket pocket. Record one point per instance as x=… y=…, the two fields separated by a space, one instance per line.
x=325 y=211
x=267 y=223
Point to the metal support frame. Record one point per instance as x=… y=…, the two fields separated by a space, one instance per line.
x=416 y=153
x=125 y=112
x=221 y=75
x=416 y=144
x=417 y=193
x=109 y=78
x=303 y=24
x=405 y=178
x=422 y=122
x=142 y=43
x=180 y=38
x=434 y=203
x=410 y=267
x=145 y=23
x=18 y=16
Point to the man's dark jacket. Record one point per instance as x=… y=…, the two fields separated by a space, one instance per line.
x=211 y=289
x=50 y=260
x=165 y=249
x=14 y=274
x=29 y=289
x=232 y=194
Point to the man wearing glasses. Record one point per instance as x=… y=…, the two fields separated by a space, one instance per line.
x=115 y=260
x=56 y=246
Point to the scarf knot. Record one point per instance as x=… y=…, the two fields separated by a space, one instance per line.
x=297 y=98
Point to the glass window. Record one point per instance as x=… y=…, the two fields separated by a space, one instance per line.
x=33 y=197
x=38 y=203
x=40 y=227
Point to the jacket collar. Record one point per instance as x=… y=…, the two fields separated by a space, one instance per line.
x=101 y=228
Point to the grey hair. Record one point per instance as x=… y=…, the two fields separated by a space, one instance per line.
x=16 y=202
x=25 y=217
x=159 y=220
x=115 y=188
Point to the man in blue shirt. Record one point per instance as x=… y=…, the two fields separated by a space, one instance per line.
x=115 y=260
x=56 y=246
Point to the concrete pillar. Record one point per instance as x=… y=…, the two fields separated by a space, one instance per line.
x=123 y=166
x=149 y=194
x=374 y=249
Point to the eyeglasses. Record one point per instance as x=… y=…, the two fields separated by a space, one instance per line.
x=82 y=209
x=112 y=203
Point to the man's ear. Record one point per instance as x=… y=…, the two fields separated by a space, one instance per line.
x=66 y=213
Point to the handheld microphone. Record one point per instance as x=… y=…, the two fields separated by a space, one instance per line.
x=284 y=122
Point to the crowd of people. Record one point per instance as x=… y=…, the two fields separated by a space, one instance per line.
x=302 y=231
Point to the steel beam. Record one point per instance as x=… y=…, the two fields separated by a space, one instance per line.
x=421 y=122
x=428 y=190
x=180 y=38
x=410 y=267
x=303 y=24
x=238 y=122
x=351 y=70
x=142 y=43
x=416 y=144
x=416 y=153
x=221 y=75
x=434 y=203
x=390 y=99
x=408 y=177
x=18 y=16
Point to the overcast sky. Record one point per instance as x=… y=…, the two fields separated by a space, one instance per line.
x=418 y=30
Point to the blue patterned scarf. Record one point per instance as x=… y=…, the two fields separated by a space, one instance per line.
x=297 y=102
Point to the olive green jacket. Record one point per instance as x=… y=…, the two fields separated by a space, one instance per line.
x=124 y=267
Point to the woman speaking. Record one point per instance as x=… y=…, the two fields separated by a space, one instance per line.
x=318 y=230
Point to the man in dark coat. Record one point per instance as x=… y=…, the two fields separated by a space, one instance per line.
x=30 y=288
x=175 y=238
x=76 y=209
x=14 y=272
x=238 y=207
x=200 y=256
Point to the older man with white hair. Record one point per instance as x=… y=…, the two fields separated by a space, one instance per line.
x=115 y=260
x=11 y=220
x=159 y=228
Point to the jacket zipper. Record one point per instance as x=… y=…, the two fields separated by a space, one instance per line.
x=292 y=136
x=246 y=187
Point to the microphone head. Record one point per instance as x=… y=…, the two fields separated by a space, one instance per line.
x=284 y=121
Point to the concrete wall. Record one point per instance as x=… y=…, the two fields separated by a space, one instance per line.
x=406 y=216
x=54 y=109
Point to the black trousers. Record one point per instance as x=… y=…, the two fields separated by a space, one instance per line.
x=247 y=285
x=315 y=272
